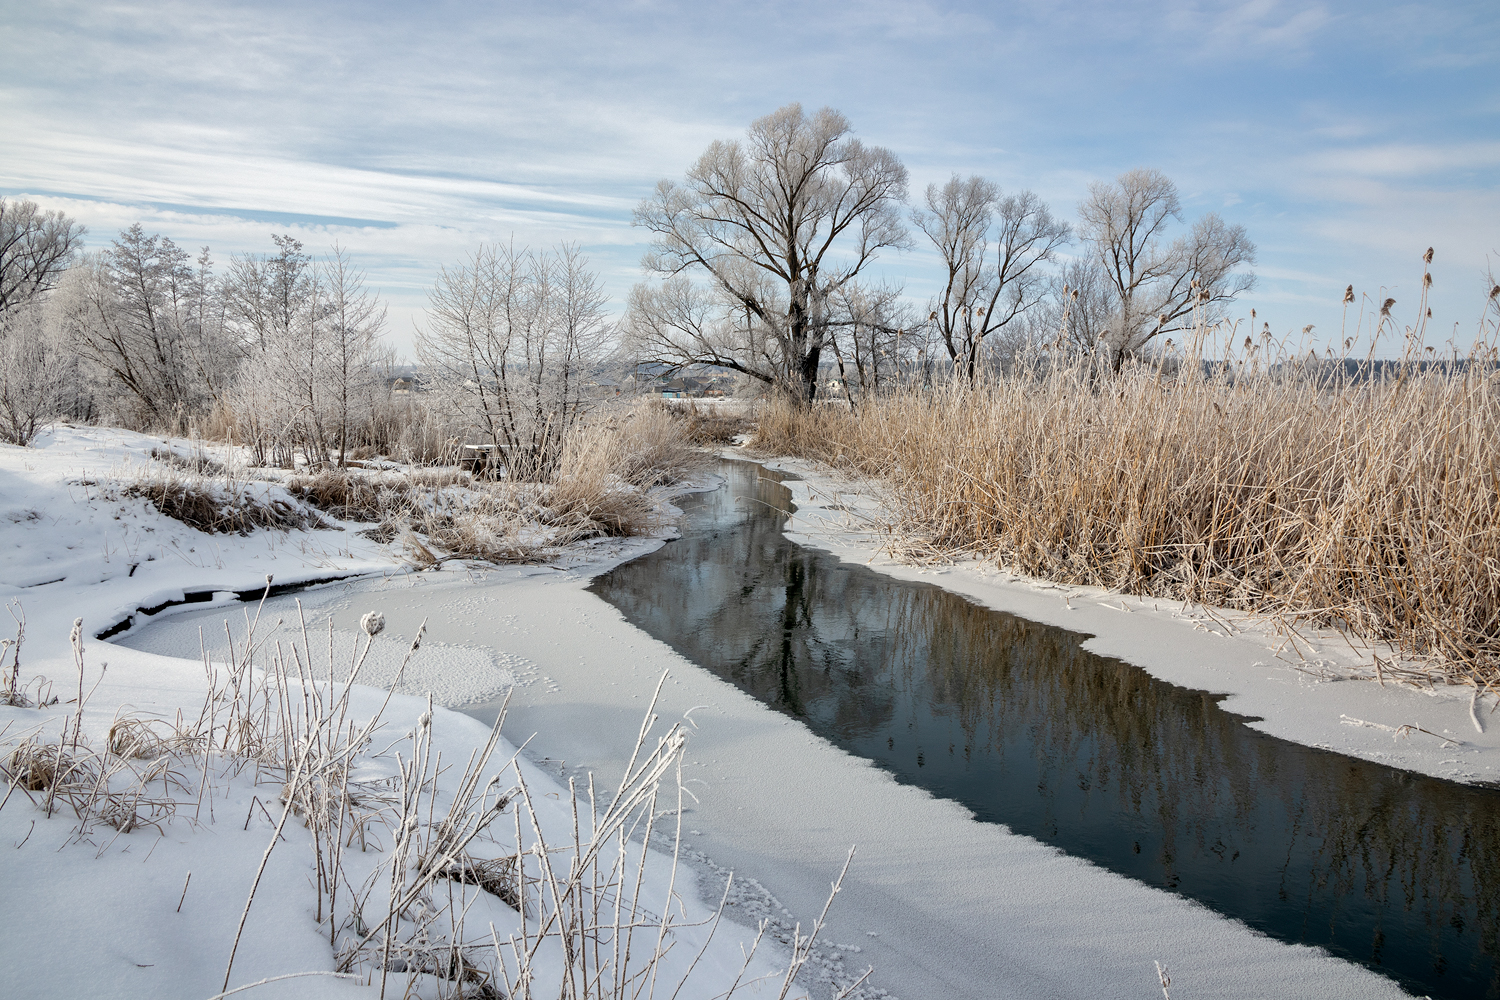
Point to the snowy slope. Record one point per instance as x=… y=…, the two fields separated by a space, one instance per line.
x=99 y=905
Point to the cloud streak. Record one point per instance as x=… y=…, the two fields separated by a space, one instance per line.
x=409 y=135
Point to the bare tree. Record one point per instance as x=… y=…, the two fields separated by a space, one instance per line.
x=514 y=334
x=872 y=337
x=311 y=333
x=266 y=293
x=38 y=373
x=1075 y=310
x=354 y=320
x=778 y=225
x=992 y=249
x=35 y=248
x=1155 y=284
x=276 y=307
x=146 y=319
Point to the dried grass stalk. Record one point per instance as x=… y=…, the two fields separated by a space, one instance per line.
x=1369 y=506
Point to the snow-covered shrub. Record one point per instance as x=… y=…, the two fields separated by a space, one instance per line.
x=219 y=506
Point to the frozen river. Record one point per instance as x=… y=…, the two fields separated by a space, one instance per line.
x=1032 y=819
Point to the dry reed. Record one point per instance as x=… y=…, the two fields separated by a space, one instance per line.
x=1369 y=505
x=649 y=445
x=218 y=506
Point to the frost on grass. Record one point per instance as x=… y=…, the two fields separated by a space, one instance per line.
x=473 y=876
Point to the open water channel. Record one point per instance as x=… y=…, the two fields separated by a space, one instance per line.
x=1020 y=724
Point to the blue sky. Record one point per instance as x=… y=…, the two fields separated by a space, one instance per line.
x=1347 y=138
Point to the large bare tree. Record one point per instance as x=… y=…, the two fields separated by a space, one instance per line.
x=1156 y=284
x=35 y=248
x=779 y=225
x=993 y=249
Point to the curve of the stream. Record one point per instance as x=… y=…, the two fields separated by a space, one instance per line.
x=1020 y=724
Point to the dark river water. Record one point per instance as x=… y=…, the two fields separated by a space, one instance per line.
x=1017 y=722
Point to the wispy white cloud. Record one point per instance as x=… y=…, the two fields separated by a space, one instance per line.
x=1407 y=159
x=454 y=123
x=1250 y=27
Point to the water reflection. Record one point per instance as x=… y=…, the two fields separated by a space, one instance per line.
x=1017 y=722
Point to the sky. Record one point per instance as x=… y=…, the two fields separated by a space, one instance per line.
x=1346 y=137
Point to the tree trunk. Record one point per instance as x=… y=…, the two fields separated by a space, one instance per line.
x=808 y=377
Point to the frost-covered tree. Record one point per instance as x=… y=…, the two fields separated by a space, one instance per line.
x=310 y=333
x=272 y=303
x=875 y=341
x=775 y=227
x=1156 y=280
x=267 y=294
x=1074 y=311
x=351 y=356
x=994 y=249
x=514 y=334
x=39 y=378
x=151 y=322
x=35 y=248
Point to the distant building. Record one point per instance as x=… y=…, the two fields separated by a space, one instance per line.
x=406 y=384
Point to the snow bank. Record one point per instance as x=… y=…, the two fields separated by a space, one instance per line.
x=101 y=905
x=937 y=902
x=1315 y=687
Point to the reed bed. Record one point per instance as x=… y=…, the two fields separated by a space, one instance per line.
x=1372 y=506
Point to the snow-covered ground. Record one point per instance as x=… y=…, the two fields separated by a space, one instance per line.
x=939 y=904
x=105 y=906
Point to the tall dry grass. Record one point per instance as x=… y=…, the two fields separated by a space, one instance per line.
x=1368 y=506
x=648 y=445
x=615 y=475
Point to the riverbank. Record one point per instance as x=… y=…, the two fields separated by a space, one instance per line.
x=936 y=901
x=148 y=797
x=1272 y=486
x=1317 y=687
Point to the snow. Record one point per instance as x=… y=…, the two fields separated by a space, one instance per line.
x=939 y=904
x=153 y=911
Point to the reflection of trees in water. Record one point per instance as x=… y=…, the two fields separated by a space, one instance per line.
x=1019 y=723
x=1258 y=827
x=753 y=608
